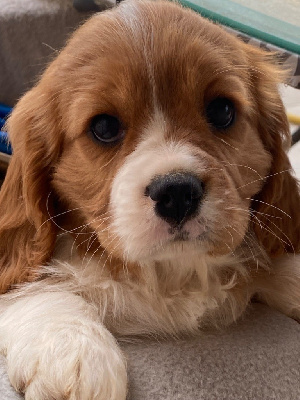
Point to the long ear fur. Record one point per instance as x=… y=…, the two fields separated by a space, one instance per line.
x=26 y=235
x=276 y=220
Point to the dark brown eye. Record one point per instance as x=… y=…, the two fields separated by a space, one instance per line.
x=106 y=128
x=220 y=113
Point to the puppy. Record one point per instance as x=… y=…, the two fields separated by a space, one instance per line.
x=149 y=193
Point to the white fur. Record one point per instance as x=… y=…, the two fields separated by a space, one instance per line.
x=281 y=291
x=140 y=230
x=56 y=332
x=143 y=236
x=56 y=347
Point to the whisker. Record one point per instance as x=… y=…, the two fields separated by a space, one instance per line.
x=228 y=144
x=232 y=240
x=262 y=179
x=60 y=227
x=109 y=256
x=279 y=229
x=270 y=205
x=96 y=236
x=247 y=244
x=104 y=249
x=269 y=230
x=265 y=226
x=244 y=166
x=248 y=210
x=57 y=215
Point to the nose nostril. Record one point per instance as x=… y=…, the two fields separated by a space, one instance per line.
x=177 y=196
x=188 y=198
x=167 y=200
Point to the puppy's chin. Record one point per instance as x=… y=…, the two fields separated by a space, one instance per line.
x=178 y=247
x=176 y=250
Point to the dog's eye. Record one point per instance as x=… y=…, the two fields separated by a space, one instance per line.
x=221 y=113
x=106 y=128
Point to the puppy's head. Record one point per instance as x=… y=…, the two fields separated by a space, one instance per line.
x=154 y=133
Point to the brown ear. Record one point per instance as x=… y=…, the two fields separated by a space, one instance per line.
x=276 y=220
x=26 y=235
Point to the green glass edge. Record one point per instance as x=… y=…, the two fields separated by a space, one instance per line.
x=249 y=30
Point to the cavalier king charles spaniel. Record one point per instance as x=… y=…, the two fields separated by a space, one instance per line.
x=149 y=193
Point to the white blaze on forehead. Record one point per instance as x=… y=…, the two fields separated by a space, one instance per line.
x=134 y=219
x=131 y=16
x=141 y=31
x=155 y=131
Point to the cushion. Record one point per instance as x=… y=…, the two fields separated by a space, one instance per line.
x=256 y=358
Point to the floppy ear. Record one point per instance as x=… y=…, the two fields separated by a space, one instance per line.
x=276 y=220
x=26 y=235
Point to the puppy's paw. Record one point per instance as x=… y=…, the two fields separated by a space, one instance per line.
x=74 y=363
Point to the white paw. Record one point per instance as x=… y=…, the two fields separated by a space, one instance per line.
x=57 y=349
x=70 y=365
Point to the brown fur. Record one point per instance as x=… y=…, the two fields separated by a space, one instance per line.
x=55 y=164
x=276 y=220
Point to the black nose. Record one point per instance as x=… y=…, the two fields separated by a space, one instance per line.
x=177 y=196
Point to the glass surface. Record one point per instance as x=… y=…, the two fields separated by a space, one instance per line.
x=273 y=21
x=285 y=10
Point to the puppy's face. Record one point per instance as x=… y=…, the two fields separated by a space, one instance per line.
x=161 y=151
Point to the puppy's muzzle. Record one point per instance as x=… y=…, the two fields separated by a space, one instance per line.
x=177 y=196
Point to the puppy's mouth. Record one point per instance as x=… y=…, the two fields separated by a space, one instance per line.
x=181 y=244
x=180 y=236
